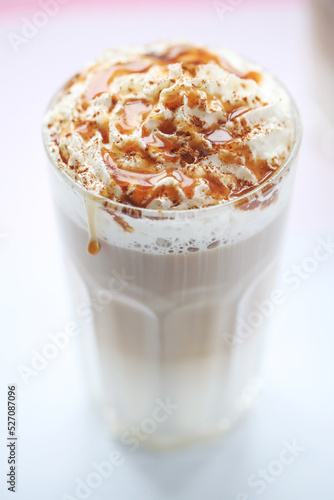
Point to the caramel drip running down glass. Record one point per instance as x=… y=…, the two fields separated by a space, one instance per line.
x=172 y=168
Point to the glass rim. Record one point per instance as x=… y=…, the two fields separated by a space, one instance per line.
x=173 y=213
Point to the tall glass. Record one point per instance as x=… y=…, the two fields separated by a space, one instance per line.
x=174 y=304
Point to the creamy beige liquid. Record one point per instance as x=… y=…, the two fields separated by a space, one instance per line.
x=167 y=331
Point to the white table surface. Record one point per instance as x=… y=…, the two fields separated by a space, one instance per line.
x=59 y=434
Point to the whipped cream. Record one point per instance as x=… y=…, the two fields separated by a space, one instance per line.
x=170 y=126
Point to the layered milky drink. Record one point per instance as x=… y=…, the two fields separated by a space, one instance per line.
x=172 y=171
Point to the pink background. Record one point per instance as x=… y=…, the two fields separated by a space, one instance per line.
x=23 y=6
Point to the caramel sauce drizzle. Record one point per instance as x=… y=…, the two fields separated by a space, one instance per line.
x=93 y=247
x=145 y=183
x=133 y=114
x=140 y=185
x=103 y=78
x=124 y=225
x=87 y=130
x=169 y=146
x=93 y=244
x=177 y=54
x=218 y=135
x=197 y=55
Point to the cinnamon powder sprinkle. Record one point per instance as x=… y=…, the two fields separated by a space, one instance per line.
x=178 y=126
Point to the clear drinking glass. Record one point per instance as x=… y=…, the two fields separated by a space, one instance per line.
x=174 y=305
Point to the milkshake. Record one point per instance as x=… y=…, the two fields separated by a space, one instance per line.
x=172 y=167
